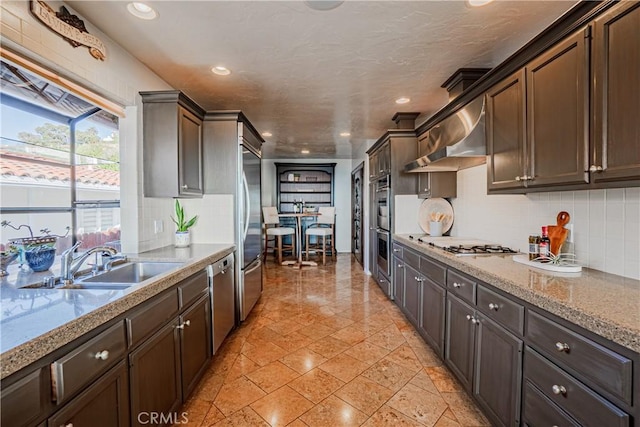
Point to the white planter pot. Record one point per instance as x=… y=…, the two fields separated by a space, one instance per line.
x=183 y=239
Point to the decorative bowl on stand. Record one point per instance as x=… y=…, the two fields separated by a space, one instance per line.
x=40 y=258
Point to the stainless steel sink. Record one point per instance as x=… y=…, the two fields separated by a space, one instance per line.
x=129 y=273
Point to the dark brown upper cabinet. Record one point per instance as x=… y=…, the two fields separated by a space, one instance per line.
x=616 y=103
x=568 y=119
x=557 y=114
x=506 y=133
x=172 y=155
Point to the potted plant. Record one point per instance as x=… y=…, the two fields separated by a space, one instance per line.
x=37 y=251
x=183 y=238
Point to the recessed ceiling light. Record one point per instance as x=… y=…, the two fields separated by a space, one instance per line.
x=267 y=134
x=142 y=10
x=345 y=134
x=304 y=151
x=323 y=4
x=221 y=71
x=403 y=100
x=478 y=3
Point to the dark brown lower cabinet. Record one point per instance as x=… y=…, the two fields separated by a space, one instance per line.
x=412 y=294
x=104 y=404
x=155 y=375
x=460 y=339
x=25 y=401
x=432 y=316
x=195 y=342
x=398 y=280
x=497 y=372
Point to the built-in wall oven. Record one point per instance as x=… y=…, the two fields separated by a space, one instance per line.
x=383 y=225
x=383 y=250
x=382 y=201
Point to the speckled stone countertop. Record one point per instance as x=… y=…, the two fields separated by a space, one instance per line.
x=36 y=321
x=603 y=303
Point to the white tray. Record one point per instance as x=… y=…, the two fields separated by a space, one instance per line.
x=524 y=259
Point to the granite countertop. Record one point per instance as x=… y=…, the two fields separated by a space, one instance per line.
x=603 y=303
x=36 y=321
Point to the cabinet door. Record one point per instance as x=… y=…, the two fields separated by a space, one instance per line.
x=506 y=133
x=412 y=286
x=616 y=86
x=385 y=159
x=459 y=340
x=498 y=373
x=195 y=342
x=398 y=281
x=154 y=370
x=423 y=144
x=374 y=166
x=26 y=400
x=557 y=114
x=105 y=403
x=432 y=318
x=190 y=153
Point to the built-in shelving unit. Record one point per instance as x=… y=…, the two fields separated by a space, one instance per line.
x=310 y=182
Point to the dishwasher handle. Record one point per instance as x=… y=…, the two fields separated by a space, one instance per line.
x=222 y=266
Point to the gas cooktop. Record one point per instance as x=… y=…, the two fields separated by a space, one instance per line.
x=463 y=246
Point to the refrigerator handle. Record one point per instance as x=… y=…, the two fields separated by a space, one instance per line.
x=258 y=264
x=247 y=202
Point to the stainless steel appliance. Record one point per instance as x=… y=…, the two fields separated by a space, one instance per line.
x=463 y=246
x=250 y=229
x=383 y=218
x=222 y=290
x=383 y=251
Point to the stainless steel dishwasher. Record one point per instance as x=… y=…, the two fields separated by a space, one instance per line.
x=222 y=284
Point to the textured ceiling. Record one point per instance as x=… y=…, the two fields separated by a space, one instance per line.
x=306 y=75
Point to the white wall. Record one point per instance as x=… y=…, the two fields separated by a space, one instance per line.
x=607 y=222
x=342 y=195
x=119 y=78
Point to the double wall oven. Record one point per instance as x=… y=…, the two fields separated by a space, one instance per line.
x=383 y=224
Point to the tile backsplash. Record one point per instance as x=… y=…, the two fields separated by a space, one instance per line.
x=606 y=222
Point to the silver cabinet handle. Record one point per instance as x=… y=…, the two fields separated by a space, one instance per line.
x=493 y=306
x=186 y=323
x=595 y=168
x=472 y=319
x=185 y=186
x=102 y=355
x=396 y=250
x=457 y=285
x=558 y=389
x=518 y=178
x=562 y=346
x=468 y=317
x=400 y=265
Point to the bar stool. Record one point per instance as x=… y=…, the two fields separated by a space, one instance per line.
x=270 y=215
x=323 y=228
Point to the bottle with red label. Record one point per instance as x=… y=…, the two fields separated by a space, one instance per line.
x=544 y=247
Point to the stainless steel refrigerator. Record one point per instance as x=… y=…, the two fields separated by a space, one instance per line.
x=250 y=231
x=232 y=165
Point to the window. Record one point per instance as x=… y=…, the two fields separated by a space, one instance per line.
x=59 y=156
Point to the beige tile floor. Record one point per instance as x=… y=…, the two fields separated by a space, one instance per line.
x=325 y=347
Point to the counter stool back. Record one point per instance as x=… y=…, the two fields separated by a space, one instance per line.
x=272 y=228
x=323 y=228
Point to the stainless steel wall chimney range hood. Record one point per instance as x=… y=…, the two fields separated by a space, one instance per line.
x=457 y=142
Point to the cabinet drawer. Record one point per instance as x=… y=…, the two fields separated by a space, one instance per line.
x=540 y=411
x=502 y=310
x=397 y=250
x=75 y=370
x=571 y=395
x=461 y=286
x=598 y=364
x=23 y=402
x=152 y=316
x=191 y=288
x=433 y=271
x=411 y=258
